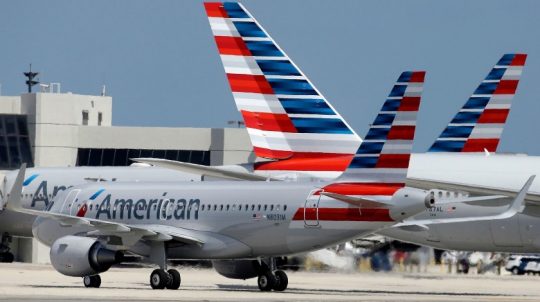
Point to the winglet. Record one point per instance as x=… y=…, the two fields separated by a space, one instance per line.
x=518 y=205
x=14 y=197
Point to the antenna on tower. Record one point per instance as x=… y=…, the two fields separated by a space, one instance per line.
x=31 y=75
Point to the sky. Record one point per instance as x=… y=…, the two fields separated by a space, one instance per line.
x=159 y=62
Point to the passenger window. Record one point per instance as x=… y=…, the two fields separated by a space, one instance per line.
x=277 y=207
x=271 y=207
x=221 y=207
x=258 y=207
x=202 y=207
x=215 y=207
x=253 y=207
x=285 y=207
x=227 y=207
x=246 y=207
x=265 y=207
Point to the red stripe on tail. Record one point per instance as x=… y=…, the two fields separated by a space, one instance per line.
x=232 y=46
x=393 y=161
x=519 y=60
x=479 y=144
x=249 y=83
x=493 y=116
x=273 y=154
x=309 y=161
x=417 y=77
x=268 y=121
x=401 y=132
x=506 y=87
x=409 y=103
x=215 y=9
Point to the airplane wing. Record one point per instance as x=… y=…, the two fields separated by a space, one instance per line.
x=131 y=233
x=532 y=198
x=517 y=206
x=203 y=170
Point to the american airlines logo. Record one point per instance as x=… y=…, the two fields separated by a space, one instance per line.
x=163 y=208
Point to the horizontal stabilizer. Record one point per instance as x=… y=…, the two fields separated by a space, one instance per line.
x=356 y=201
x=517 y=206
x=219 y=172
x=486 y=200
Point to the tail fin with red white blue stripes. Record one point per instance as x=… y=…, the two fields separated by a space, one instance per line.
x=478 y=126
x=382 y=160
x=286 y=117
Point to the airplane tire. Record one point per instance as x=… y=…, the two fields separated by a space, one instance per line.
x=282 y=281
x=174 y=279
x=92 y=281
x=266 y=281
x=159 y=279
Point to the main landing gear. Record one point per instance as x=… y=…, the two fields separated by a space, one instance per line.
x=162 y=278
x=272 y=279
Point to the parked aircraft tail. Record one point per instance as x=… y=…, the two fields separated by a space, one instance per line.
x=478 y=126
x=383 y=156
x=379 y=167
x=286 y=117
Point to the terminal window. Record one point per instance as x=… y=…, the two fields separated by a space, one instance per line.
x=85 y=117
x=121 y=157
x=14 y=142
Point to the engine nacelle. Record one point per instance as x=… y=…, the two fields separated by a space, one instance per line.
x=82 y=256
x=237 y=269
x=409 y=202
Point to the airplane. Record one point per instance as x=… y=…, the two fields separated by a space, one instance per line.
x=46 y=182
x=241 y=226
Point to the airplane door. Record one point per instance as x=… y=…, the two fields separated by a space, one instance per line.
x=311 y=210
x=505 y=232
x=67 y=206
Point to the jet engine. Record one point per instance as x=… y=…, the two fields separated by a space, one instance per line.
x=237 y=269
x=82 y=256
x=409 y=202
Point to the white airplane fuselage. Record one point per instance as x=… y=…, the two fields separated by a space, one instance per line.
x=234 y=220
x=519 y=234
x=507 y=172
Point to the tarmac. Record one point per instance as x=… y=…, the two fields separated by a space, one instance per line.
x=31 y=282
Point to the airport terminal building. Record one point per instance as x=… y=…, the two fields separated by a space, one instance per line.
x=49 y=129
